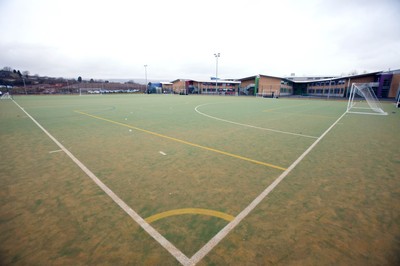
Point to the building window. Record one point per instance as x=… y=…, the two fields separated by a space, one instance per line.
x=386 y=82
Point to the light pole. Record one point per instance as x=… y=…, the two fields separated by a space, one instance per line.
x=216 y=71
x=145 y=76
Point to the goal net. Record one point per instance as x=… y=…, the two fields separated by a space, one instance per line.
x=265 y=94
x=362 y=100
x=6 y=96
x=268 y=91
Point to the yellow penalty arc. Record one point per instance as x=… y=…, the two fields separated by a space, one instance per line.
x=162 y=215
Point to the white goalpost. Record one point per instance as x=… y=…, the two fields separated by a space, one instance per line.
x=6 y=96
x=362 y=100
x=265 y=94
x=268 y=91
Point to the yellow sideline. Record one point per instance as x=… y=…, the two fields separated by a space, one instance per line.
x=158 y=216
x=185 y=142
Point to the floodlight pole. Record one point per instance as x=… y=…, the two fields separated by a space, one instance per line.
x=145 y=76
x=216 y=71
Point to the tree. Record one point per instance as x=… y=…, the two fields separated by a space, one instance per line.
x=353 y=73
x=7 y=68
x=79 y=79
x=25 y=73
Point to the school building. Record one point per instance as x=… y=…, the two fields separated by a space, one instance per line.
x=266 y=86
x=386 y=84
x=191 y=86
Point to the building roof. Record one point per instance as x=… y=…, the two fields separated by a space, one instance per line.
x=221 y=81
x=253 y=77
x=338 y=77
x=310 y=78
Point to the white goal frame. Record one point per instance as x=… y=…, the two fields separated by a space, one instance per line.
x=369 y=104
x=264 y=93
x=6 y=96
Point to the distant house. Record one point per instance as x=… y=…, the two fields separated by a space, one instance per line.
x=154 y=87
x=159 y=87
x=166 y=87
x=192 y=86
x=266 y=86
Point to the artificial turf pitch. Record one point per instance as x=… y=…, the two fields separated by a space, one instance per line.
x=188 y=165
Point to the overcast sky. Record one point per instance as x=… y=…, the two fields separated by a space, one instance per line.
x=178 y=38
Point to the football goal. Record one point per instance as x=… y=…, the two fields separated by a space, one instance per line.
x=266 y=94
x=268 y=91
x=362 y=100
x=6 y=96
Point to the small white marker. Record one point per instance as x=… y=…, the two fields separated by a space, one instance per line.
x=55 y=151
x=163 y=153
x=126 y=118
x=130 y=130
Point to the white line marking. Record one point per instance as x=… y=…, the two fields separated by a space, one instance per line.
x=229 y=227
x=246 y=125
x=55 y=151
x=136 y=217
x=163 y=153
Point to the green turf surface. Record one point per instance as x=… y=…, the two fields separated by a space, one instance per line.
x=340 y=205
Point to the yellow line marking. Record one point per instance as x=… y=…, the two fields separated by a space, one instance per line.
x=162 y=215
x=185 y=142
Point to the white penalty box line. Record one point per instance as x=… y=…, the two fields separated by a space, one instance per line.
x=250 y=126
x=182 y=258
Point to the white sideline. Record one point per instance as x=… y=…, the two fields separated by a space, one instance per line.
x=229 y=227
x=136 y=217
x=246 y=125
